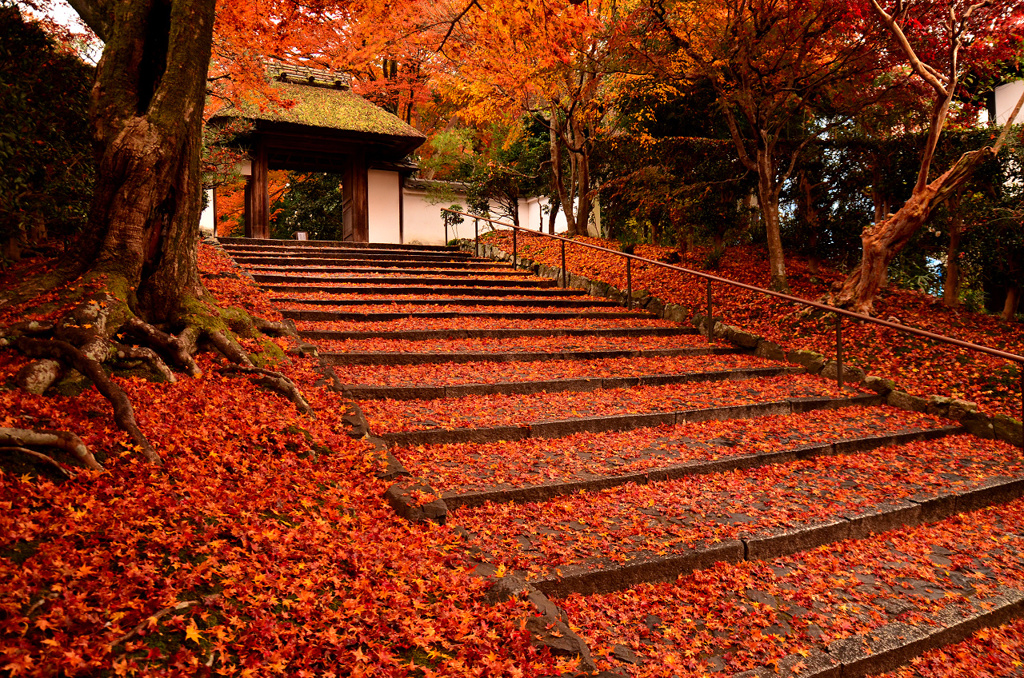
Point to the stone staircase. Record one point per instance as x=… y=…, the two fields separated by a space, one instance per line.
x=671 y=506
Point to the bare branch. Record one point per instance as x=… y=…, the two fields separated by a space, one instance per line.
x=927 y=73
x=97 y=15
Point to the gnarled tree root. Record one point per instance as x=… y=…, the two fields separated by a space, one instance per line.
x=124 y=415
x=24 y=439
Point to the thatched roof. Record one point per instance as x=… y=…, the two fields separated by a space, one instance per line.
x=324 y=101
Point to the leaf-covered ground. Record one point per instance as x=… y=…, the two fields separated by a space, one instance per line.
x=918 y=366
x=262 y=547
x=466 y=467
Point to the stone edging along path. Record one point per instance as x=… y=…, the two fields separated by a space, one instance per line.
x=999 y=426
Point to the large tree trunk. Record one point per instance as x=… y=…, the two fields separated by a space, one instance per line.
x=884 y=240
x=768 y=196
x=147 y=115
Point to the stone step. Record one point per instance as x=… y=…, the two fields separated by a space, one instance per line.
x=548 y=291
x=329 y=265
x=859 y=607
x=407 y=358
x=521 y=279
x=308 y=315
x=588 y=302
x=466 y=474
x=595 y=542
x=436 y=335
x=525 y=427
x=320 y=245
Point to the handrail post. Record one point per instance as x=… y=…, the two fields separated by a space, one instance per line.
x=515 y=257
x=711 y=321
x=476 y=232
x=565 y=275
x=839 y=350
x=629 y=283
x=446 y=215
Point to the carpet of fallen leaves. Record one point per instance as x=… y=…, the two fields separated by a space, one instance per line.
x=507 y=372
x=456 y=468
x=516 y=344
x=416 y=324
x=261 y=547
x=632 y=522
x=917 y=365
x=732 y=618
x=989 y=653
x=388 y=416
x=370 y=311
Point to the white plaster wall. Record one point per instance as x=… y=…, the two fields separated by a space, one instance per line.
x=206 y=218
x=383 y=187
x=1006 y=98
x=423 y=223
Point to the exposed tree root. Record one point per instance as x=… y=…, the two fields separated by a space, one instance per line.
x=276 y=382
x=102 y=329
x=179 y=348
x=37 y=456
x=62 y=440
x=124 y=414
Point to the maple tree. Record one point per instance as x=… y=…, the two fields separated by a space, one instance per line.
x=784 y=74
x=937 y=40
x=522 y=60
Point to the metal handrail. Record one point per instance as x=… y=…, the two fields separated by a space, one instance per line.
x=840 y=312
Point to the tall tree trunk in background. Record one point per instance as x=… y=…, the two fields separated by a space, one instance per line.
x=951 y=285
x=1012 y=303
x=768 y=190
x=147 y=116
x=565 y=198
x=553 y=213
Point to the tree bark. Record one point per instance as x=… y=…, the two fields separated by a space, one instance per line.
x=768 y=196
x=1011 y=303
x=147 y=115
x=951 y=285
x=884 y=240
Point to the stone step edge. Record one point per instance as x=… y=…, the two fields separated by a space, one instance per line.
x=428 y=335
x=405 y=283
x=314 y=245
x=385 y=358
x=554 y=292
x=997 y=426
x=871 y=520
x=553 y=302
x=509 y=277
x=736 y=462
x=897 y=644
x=560 y=385
x=621 y=422
x=373 y=317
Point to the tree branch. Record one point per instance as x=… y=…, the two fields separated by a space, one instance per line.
x=97 y=15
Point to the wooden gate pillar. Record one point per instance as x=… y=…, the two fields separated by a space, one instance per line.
x=356 y=197
x=257 y=195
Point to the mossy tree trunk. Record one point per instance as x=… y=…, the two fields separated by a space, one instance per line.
x=147 y=116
